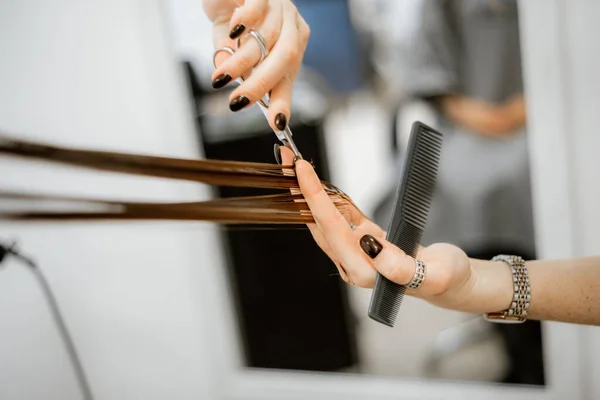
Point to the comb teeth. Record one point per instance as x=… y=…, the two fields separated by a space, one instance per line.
x=410 y=215
x=407 y=237
x=387 y=297
x=421 y=178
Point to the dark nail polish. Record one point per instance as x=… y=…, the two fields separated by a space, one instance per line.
x=281 y=121
x=277 y=153
x=370 y=245
x=237 y=31
x=221 y=81
x=238 y=103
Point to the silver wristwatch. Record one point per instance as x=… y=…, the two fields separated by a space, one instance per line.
x=517 y=312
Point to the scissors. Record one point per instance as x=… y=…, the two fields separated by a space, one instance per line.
x=284 y=136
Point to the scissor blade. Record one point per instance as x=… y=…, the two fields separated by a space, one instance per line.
x=284 y=136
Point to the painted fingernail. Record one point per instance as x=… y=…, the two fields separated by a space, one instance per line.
x=237 y=31
x=221 y=81
x=277 y=153
x=281 y=121
x=370 y=245
x=238 y=103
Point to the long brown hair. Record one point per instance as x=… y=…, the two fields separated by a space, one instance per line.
x=287 y=207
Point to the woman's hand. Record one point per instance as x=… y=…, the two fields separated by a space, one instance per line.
x=452 y=280
x=286 y=35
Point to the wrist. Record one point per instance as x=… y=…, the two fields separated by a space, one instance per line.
x=492 y=289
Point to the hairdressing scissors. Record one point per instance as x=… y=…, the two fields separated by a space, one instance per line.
x=284 y=136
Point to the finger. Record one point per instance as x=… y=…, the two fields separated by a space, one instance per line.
x=394 y=264
x=284 y=57
x=325 y=213
x=324 y=245
x=287 y=157
x=249 y=53
x=249 y=15
x=334 y=227
x=281 y=101
x=391 y=262
x=221 y=39
x=281 y=94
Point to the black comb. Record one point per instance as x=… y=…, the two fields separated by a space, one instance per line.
x=413 y=200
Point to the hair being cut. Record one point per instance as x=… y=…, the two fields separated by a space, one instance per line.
x=287 y=207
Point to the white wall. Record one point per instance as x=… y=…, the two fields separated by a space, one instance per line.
x=562 y=64
x=191 y=35
x=100 y=74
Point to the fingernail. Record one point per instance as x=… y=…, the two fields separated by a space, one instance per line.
x=370 y=245
x=281 y=121
x=237 y=31
x=238 y=103
x=221 y=81
x=277 y=153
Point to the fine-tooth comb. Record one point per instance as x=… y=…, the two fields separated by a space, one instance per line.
x=413 y=200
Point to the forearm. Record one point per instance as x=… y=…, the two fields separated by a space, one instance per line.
x=561 y=290
x=493 y=120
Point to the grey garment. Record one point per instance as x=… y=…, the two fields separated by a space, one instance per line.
x=472 y=48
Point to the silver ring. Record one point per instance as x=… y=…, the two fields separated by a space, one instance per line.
x=261 y=43
x=259 y=39
x=265 y=101
x=226 y=49
x=419 y=276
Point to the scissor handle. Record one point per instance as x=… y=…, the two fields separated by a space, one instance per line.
x=284 y=136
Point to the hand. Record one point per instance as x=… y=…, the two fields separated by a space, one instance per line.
x=516 y=110
x=494 y=121
x=286 y=35
x=450 y=280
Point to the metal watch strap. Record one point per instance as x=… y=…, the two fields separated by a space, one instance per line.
x=517 y=312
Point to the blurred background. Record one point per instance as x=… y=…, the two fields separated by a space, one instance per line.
x=371 y=69
x=168 y=310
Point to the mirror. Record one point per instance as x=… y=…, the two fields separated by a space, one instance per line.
x=370 y=70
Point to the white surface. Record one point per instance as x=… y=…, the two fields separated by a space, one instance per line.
x=562 y=61
x=191 y=35
x=135 y=296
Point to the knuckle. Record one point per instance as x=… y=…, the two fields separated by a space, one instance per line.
x=271 y=37
x=289 y=78
x=252 y=14
x=443 y=279
x=364 y=279
x=305 y=30
x=290 y=54
x=243 y=64
x=397 y=275
x=395 y=269
x=260 y=86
